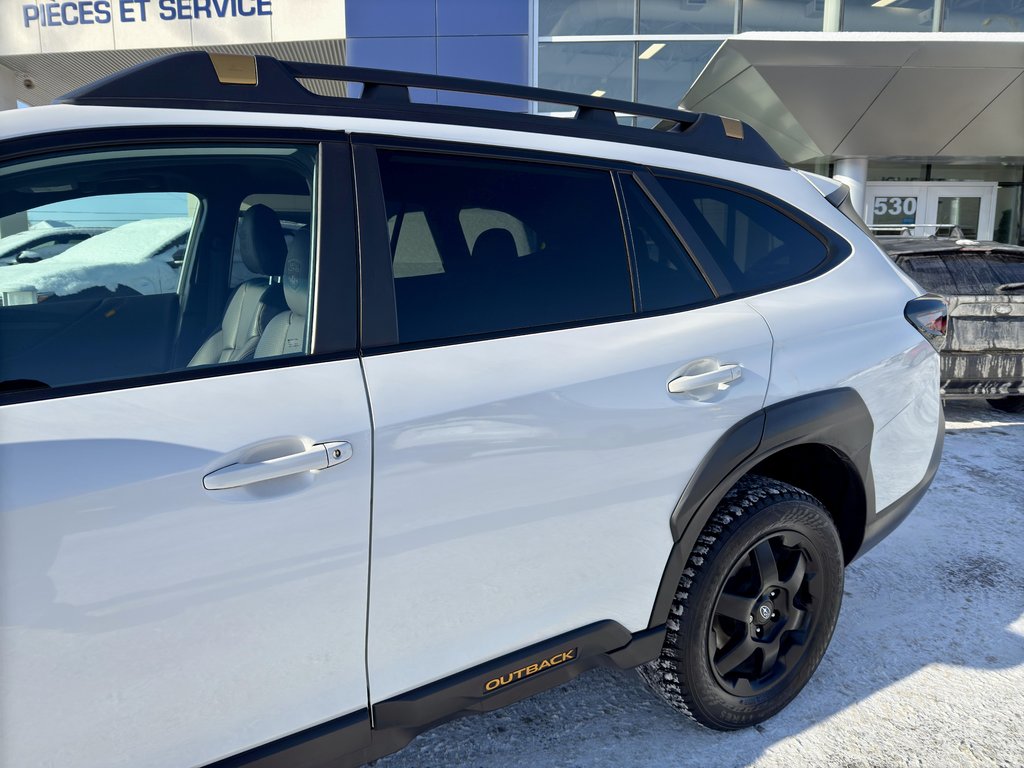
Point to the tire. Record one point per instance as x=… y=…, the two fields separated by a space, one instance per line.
x=1014 y=404
x=724 y=625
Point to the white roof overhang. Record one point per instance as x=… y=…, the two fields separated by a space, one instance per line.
x=833 y=95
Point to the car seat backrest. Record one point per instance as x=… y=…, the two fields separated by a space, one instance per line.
x=256 y=301
x=286 y=333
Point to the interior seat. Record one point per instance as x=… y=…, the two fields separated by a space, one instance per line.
x=254 y=303
x=286 y=332
x=494 y=247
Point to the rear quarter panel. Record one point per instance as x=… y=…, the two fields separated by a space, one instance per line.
x=846 y=328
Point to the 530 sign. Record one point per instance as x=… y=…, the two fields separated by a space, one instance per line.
x=895 y=206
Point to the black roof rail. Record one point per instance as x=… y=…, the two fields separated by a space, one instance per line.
x=201 y=80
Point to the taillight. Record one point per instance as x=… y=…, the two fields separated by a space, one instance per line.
x=928 y=315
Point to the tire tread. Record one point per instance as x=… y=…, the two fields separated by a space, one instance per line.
x=745 y=498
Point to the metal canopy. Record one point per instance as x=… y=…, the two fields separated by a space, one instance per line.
x=833 y=95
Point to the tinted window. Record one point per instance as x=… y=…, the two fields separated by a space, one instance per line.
x=755 y=245
x=668 y=277
x=142 y=250
x=413 y=246
x=964 y=273
x=498 y=245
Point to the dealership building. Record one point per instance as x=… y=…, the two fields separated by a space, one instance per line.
x=917 y=104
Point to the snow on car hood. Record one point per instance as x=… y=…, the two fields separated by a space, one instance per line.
x=121 y=256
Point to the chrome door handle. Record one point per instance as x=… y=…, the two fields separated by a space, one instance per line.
x=319 y=456
x=722 y=375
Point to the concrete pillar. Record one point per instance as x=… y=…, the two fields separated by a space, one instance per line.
x=833 y=16
x=8 y=99
x=853 y=172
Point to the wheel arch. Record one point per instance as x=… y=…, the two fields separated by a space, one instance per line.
x=819 y=442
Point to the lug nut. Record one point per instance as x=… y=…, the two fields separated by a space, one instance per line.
x=758 y=630
x=750 y=619
x=775 y=592
x=775 y=615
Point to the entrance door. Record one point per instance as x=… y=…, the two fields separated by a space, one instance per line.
x=927 y=208
x=969 y=207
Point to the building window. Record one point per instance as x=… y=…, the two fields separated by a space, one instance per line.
x=888 y=16
x=983 y=16
x=600 y=69
x=687 y=17
x=665 y=71
x=580 y=17
x=783 y=15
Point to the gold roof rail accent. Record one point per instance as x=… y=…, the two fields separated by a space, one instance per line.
x=235 y=68
x=733 y=128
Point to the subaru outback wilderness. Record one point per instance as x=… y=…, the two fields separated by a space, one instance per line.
x=441 y=407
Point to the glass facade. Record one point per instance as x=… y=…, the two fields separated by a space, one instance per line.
x=688 y=17
x=585 y=17
x=653 y=51
x=782 y=16
x=659 y=75
x=983 y=16
x=883 y=16
x=601 y=69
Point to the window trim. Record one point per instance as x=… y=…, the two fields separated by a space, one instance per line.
x=837 y=248
x=333 y=336
x=379 y=316
x=714 y=284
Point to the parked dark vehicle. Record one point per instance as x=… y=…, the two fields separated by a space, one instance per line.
x=984 y=285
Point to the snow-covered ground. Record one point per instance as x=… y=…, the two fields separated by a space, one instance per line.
x=926 y=667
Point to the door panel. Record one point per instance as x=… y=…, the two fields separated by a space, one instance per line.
x=523 y=486
x=148 y=621
x=89 y=336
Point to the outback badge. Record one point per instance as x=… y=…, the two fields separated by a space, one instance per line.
x=522 y=673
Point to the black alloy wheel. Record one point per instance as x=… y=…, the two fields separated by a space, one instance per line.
x=764 y=614
x=755 y=608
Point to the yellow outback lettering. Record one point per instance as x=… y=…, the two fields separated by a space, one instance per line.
x=532 y=669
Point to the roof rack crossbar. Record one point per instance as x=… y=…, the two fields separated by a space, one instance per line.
x=275 y=81
x=202 y=80
x=587 y=107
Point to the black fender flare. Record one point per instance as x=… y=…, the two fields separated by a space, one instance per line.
x=836 y=418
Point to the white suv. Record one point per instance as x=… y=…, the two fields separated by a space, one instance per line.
x=432 y=408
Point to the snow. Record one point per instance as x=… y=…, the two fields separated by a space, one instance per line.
x=16 y=242
x=121 y=256
x=926 y=667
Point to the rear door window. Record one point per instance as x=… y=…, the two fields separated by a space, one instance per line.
x=754 y=244
x=483 y=245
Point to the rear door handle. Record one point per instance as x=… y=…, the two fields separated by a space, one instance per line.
x=319 y=456
x=721 y=375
